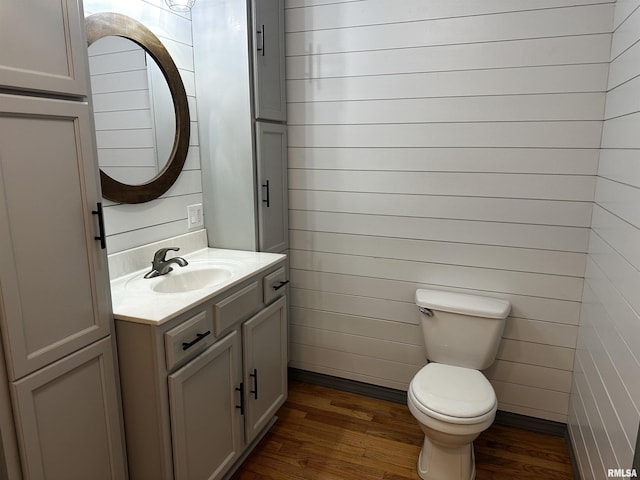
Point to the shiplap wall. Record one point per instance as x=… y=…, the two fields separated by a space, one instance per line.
x=447 y=144
x=130 y=226
x=605 y=399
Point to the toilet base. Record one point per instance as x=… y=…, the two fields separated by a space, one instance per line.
x=441 y=463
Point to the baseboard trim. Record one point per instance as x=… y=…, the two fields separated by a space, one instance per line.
x=508 y=419
x=532 y=424
x=347 y=385
x=572 y=456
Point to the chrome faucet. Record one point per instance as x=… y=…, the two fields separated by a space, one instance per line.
x=160 y=266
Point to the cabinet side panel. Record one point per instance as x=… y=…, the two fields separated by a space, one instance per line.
x=10 y=461
x=148 y=445
x=221 y=57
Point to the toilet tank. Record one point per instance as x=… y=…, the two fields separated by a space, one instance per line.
x=460 y=329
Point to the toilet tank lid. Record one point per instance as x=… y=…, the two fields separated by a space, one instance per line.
x=462 y=303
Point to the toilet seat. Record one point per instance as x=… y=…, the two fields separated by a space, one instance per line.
x=453 y=394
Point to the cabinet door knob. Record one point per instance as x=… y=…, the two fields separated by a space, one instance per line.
x=254 y=375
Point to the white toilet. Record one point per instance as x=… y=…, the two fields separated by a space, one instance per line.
x=451 y=399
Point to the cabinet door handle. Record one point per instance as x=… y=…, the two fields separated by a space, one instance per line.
x=102 y=237
x=241 y=390
x=255 y=383
x=280 y=285
x=266 y=197
x=261 y=47
x=199 y=337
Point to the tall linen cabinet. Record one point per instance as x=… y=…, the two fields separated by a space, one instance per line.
x=60 y=415
x=239 y=59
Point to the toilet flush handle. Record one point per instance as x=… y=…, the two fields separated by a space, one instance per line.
x=427 y=311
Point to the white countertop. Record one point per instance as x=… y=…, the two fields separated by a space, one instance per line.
x=143 y=305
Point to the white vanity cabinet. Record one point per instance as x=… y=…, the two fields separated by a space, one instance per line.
x=268 y=60
x=43 y=47
x=273 y=220
x=55 y=302
x=68 y=418
x=200 y=389
x=205 y=427
x=53 y=273
x=265 y=366
x=60 y=411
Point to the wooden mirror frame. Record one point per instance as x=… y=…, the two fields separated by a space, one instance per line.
x=107 y=24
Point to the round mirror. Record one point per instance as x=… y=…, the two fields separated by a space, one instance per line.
x=132 y=109
x=140 y=107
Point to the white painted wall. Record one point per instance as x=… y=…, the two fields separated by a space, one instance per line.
x=443 y=144
x=605 y=399
x=130 y=226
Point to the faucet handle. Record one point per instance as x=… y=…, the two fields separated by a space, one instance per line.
x=160 y=255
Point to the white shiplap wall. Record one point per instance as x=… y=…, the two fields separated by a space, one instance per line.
x=443 y=144
x=605 y=398
x=130 y=226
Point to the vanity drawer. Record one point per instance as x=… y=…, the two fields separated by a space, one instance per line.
x=273 y=285
x=187 y=339
x=235 y=308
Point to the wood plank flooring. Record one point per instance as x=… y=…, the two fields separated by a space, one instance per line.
x=326 y=434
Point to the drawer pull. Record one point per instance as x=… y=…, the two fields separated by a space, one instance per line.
x=102 y=237
x=266 y=199
x=199 y=336
x=280 y=285
x=261 y=48
x=255 y=383
x=241 y=390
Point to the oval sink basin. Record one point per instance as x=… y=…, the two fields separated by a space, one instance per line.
x=195 y=276
x=185 y=279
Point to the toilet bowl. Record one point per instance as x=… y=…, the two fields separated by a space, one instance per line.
x=450 y=398
x=452 y=405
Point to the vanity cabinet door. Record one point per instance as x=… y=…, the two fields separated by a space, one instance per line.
x=67 y=418
x=265 y=361
x=268 y=60
x=53 y=274
x=47 y=46
x=273 y=214
x=205 y=423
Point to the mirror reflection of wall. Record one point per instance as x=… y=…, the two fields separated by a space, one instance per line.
x=132 y=225
x=133 y=110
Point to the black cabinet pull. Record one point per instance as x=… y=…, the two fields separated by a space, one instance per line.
x=261 y=48
x=241 y=390
x=199 y=336
x=255 y=383
x=102 y=237
x=266 y=199
x=280 y=285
